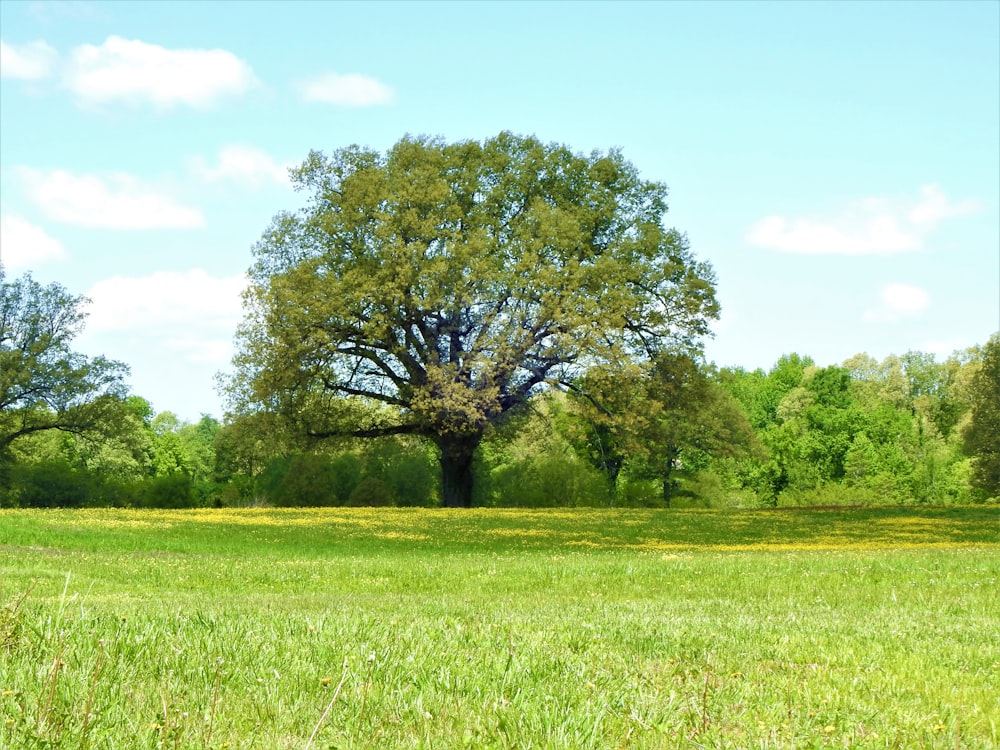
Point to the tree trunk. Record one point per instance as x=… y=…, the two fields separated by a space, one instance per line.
x=613 y=470
x=456 y=469
x=668 y=476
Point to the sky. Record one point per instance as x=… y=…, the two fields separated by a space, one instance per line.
x=837 y=163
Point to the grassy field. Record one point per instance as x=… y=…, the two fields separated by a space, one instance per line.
x=351 y=628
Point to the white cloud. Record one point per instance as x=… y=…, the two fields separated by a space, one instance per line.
x=116 y=201
x=24 y=245
x=874 y=226
x=193 y=299
x=898 y=301
x=136 y=72
x=934 y=206
x=347 y=90
x=28 y=62
x=245 y=165
x=203 y=309
x=174 y=328
x=879 y=235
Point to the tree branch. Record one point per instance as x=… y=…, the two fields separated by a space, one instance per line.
x=369 y=432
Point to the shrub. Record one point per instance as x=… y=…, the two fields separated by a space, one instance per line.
x=269 y=483
x=310 y=480
x=371 y=491
x=238 y=492
x=831 y=495
x=636 y=492
x=168 y=491
x=50 y=484
x=548 y=480
x=412 y=482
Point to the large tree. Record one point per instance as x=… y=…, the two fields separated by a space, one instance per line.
x=450 y=281
x=44 y=384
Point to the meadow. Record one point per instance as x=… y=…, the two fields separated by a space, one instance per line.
x=485 y=628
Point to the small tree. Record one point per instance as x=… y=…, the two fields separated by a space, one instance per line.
x=663 y=414
x=44 y=384
x=451 y=281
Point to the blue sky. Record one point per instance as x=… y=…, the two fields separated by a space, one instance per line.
x=837 y=163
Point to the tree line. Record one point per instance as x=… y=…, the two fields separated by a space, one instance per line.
x=908 y=429
x=497 y=323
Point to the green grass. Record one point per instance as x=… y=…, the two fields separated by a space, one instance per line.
x=508 y=629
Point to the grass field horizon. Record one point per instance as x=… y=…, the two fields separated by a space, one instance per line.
x=556 y=628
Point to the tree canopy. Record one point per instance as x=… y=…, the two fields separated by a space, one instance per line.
x=450 y=281
x=982 y=434
x=654 y=414
x=44 y=384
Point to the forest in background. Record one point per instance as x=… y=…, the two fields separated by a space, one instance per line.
x=899 y=431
